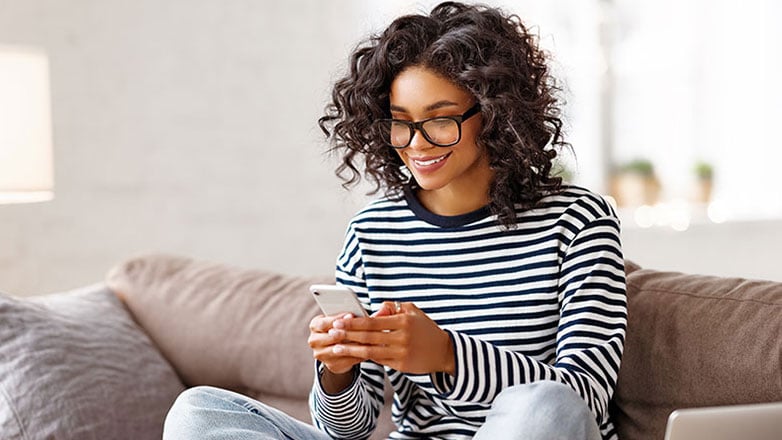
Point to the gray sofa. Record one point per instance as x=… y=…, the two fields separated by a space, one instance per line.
x=107 y=361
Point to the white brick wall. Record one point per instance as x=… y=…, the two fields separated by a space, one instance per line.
x=181 y=126
x=189 y=127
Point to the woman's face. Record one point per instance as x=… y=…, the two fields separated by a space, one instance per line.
x=418 y=93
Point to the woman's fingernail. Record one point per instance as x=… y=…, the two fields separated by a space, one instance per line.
x=339 y=324
x=333 y=332
x=338 y=349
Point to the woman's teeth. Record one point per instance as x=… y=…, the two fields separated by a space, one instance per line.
x=424 y=163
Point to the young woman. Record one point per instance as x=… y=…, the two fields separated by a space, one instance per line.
x=497 y=293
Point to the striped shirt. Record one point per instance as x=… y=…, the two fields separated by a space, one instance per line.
x=543 y=301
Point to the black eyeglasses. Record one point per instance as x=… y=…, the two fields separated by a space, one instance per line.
x=443 y=131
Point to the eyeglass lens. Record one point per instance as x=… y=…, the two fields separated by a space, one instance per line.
x=439 y=131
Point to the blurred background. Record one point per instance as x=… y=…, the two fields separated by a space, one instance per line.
x=189 y=127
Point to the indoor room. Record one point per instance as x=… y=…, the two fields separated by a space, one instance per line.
x=177 y=142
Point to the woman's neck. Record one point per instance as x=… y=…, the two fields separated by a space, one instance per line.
x=450 y=201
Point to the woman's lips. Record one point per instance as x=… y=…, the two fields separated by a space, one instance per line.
x=428 y=164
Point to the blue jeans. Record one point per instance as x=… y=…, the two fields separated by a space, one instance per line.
x=537 y=411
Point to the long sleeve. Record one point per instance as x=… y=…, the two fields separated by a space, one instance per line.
x=351 y=414
x=590 y=333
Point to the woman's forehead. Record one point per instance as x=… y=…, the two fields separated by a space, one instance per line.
x=421 y=88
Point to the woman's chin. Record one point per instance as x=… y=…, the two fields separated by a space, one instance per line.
x=429 y=184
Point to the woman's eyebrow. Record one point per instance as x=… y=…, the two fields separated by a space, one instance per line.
x=441 y=104
x=430 y=107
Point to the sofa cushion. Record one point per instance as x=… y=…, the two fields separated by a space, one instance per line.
x=630 y=267
x=76 y=366
x=241 y=329
x=696 y=341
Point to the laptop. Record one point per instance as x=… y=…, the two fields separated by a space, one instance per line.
x=761 y=421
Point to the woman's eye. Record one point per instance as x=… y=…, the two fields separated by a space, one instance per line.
x=441 y=122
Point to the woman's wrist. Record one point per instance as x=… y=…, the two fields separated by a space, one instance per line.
x=449 y=358
x=335 y=383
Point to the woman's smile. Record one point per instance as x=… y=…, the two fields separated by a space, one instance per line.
x=428 y=164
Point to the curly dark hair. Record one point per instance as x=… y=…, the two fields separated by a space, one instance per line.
x=492 y=55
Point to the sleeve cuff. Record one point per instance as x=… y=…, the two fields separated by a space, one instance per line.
x=445 y=384
x=350 y=389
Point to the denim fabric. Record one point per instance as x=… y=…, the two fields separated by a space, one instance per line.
x=542 y=410
x=536 y=411
x=208 y=413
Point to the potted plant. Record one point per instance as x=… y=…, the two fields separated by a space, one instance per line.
x=635 y=183
x=704 y=181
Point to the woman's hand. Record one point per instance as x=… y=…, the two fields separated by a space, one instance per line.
x=323 y=337
x=405 y=339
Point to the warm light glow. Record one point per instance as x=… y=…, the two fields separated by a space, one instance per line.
x=680 y=221
x=717 y=212
x=675 y=214
x=611 y=201
x=679 y=215
x=26 y=164
x=645 y=216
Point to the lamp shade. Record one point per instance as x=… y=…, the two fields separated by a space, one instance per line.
x=26 y=164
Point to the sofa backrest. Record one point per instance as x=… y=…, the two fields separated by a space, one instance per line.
x=696 y=341
x=240 y=329
x=691 y=340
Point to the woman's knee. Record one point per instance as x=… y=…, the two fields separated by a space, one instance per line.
x=547 y=409
x=200 y=397
x=543 y=394
x=196 y=410
x=209 y=413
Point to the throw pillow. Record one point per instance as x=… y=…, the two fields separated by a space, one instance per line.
x=75 y=366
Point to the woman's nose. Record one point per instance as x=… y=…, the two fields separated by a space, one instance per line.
x=419 y=142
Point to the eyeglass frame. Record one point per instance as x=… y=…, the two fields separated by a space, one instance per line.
x=419 y=125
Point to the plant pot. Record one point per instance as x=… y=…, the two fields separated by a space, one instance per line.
x=632 y=189
x=703 y=190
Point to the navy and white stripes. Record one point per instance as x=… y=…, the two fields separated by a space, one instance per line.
x=543 y=301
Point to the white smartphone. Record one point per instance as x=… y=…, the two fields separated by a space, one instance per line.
x=337 y=299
